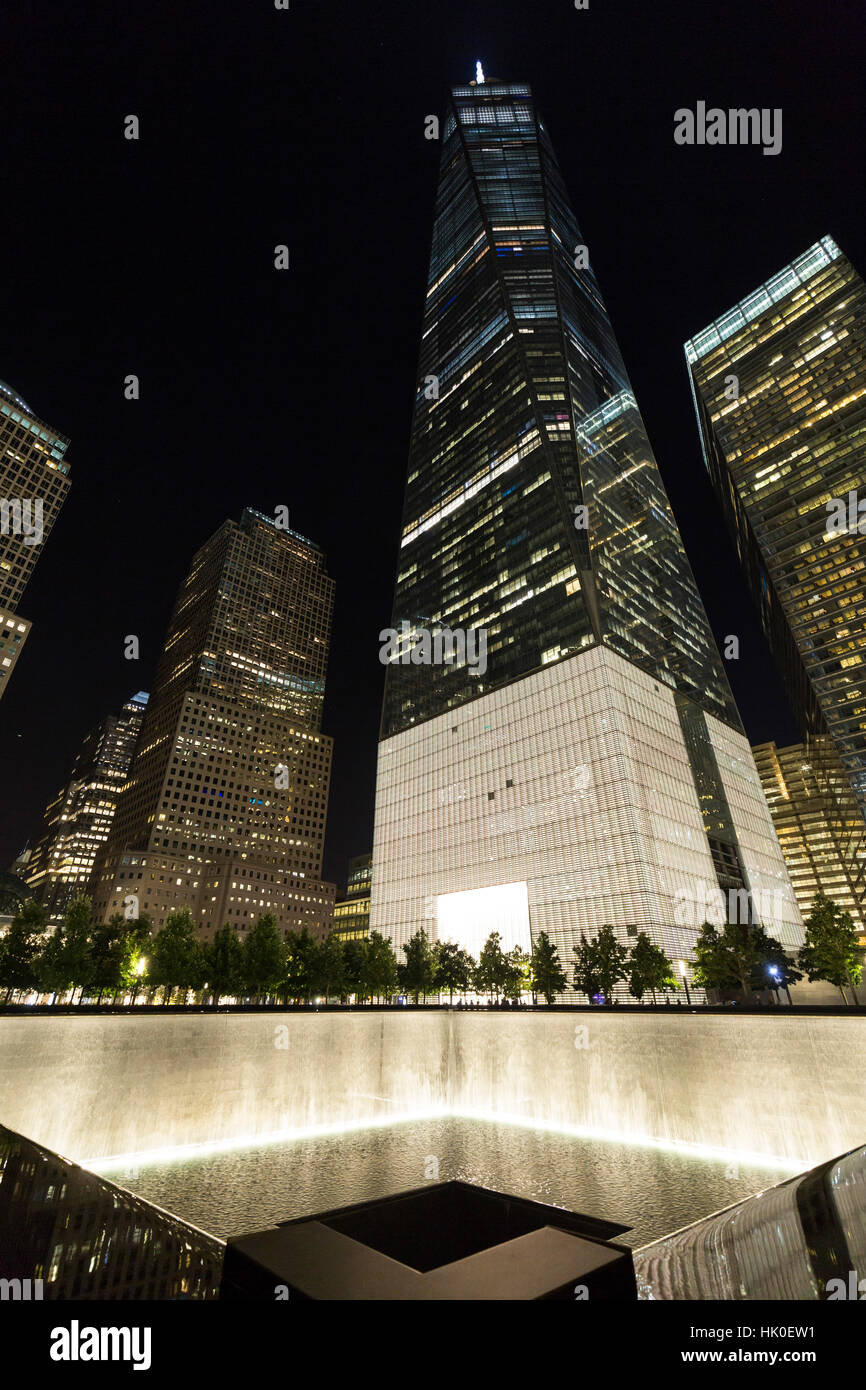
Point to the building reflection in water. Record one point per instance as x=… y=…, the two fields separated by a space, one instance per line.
x=84 y=1238
x=805 y=1239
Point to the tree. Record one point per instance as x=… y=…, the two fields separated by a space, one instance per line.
x=831 y=951
x=108 y=954
x=65 y=961
x=585 y=979
x=354 y=961
x=177 y=959
x=330 y=967
x=517 y=966
x=453 y=968
x=777 y=964
x=224 y=963
x=546 y=976
x=599 y=964
x=380 y=966
x=20 y=948
x=649 y=968
x=416 y=977
x=491 y=973
x=134 y=942
x=302 y=963
x=738 y=956
x=265 y=957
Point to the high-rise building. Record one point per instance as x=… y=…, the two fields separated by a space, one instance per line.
x=818 y=823
x=352 y=910
x=77 y=820
x=225 y=808
x=779 y=384
x=34 y=481
x=559 y=746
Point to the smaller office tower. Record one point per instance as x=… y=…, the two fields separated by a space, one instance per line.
x=352 y=912
x=818 y=822
x=77 y=820
x=228 y=792
x=779 y=384
x=34 y=481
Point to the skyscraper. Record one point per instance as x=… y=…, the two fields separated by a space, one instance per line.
x=225 y=808
x=352 y=909
x=779 y=384
x=77 y=820
x=34 y=481
x=591 y=768
x=817 y=821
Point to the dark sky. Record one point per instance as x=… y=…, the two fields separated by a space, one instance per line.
x=306 y=127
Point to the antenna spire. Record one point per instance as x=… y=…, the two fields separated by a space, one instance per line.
x=479 y=73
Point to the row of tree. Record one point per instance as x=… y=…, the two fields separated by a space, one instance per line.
x=123 y=956
x=738 y=956
x=81 y=959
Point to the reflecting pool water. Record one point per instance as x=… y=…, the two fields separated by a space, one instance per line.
x=652 y=1190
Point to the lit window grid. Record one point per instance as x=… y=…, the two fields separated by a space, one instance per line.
x=602 y=821
x=792 y=441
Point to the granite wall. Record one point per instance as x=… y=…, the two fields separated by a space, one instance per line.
x=779 y=1085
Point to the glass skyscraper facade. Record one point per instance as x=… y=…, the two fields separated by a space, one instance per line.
x=781 y=440
x=818 y=824
x=78 y=819
x=34 y=481
x=524 y=414
x=779 y=384
x=535 y=515
x=227 y=798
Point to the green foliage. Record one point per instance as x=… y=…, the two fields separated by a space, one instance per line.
x=135 y=941
x=21 y=947
x=649 y=968
x=177 y=959
x=301 y=964
x=224 y=964
x=265 y=957
x=108 y=953
x=546 y=975
x=65 y=961
x=831 y=951
x=492 y=972
x=737 y=957
x=330 y=966
x=380 y=966
x=599 y=964
x=354 y=967
x=417 y=975
x=517 y=968
x=453 y=968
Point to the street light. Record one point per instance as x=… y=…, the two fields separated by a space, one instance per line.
x=777 y=975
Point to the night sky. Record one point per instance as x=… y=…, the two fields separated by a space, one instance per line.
x=263 y=388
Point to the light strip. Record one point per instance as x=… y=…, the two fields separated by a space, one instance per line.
x=180 y=1152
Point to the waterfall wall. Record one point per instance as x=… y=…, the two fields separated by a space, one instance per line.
x=780 y=1086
